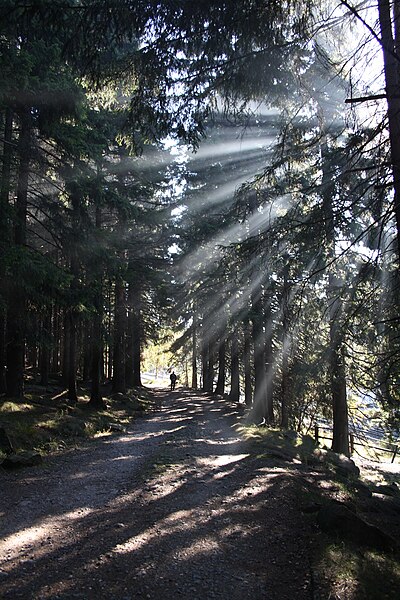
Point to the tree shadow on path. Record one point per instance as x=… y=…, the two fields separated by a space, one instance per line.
x=177 y=507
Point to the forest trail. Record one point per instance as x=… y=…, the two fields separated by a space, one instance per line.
x=174 y=508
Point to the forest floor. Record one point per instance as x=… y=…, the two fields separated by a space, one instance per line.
x=180 y=505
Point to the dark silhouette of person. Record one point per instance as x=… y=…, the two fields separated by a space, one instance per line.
x=173 y=379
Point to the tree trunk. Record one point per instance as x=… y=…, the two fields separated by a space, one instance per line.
x=207 y=365
x=87 y=350
x=96 y=338
x=234 y=394
x=269 y=362
x=137 y=347
x=194 y=350
x=72 y=387
x=391 y=69
x=118 y=381
x=248 y=397
x=134 y=334
x=5 y=239
x=340 y=442
x=96 y=399
x=65 y=349
x=45 y=348
x=220 y=387
x=260 y=378
x=16 y=316
x=56 y=340
x=285 y=384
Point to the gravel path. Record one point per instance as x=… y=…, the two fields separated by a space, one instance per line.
x=174 y=508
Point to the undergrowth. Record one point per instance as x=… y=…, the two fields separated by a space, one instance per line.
x=47 y=423
x=340 y=568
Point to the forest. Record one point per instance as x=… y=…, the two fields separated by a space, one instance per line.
x=218 y=178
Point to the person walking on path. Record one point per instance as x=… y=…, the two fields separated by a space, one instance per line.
x=173 y=379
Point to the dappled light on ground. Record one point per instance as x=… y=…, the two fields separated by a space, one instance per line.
x=177 y=506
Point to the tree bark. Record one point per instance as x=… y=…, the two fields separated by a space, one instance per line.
x=194 y=350
x=16 y=315
x=65 y=349
x=391 y=70
x=87 y=350
x=340 y=442
x=234 y=394
x=96 y=338
x=220 y=387
x=5 y=238
x=72 y=387
x=45 y=348
x=285 y=385
x=260 y=378
x=269 y=362
x=118 y=381
x=56 y=340
x=248 y=391
x=96 y=399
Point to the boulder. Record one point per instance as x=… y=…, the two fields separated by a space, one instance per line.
x=117 y=427
x=336 y=518
x=5 y=443
x=387 y=490
x=362 y=490
x=342 y=464
x=280 y=454
x=22 y=459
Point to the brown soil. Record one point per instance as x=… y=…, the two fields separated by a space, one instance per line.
x=174 y=508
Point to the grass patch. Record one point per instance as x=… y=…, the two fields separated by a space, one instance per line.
x=13 y=407
x=343 y=571
x=290 y=443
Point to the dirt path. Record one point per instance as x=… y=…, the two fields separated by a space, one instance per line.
x=175 y=508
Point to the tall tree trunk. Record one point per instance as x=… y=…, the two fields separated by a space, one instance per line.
x=285 y=385
x=56 y=340
x=340 y=442
x=234 y=394
x=392 y=79
x=5 y=238
x=109 y=332
x=72 y=387
x=194 y=350
x=220 y=387
x=269 y=361
x=87 y=350
x=16 y=315
x=72 y=312
x=118 y=382
x=137 y=345
x=45 y=348
x=260 y=378
x=134 y=332
x=248 y=397
x=137 y=339
x=207 y=358
x=65 y=348
x=96 y=399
